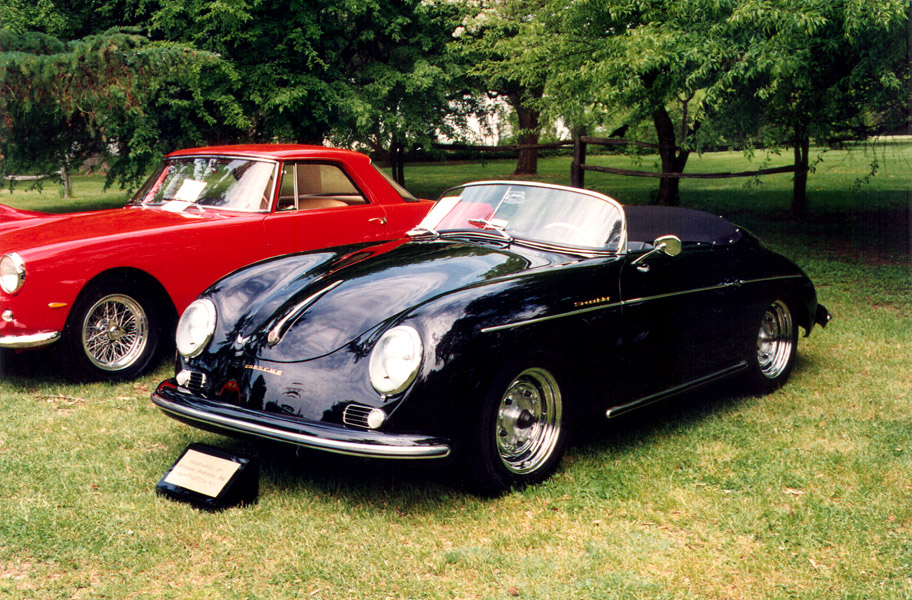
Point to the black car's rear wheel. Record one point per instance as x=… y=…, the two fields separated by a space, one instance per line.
x=522 y=431
x=773 y=358
x=112 y=333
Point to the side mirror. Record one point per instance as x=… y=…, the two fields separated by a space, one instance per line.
x=669 y=244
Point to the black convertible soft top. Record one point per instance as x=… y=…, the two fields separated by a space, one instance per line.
x=646 y=223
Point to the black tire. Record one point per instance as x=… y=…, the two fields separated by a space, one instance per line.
x=771 y=358
x=522 y=429
x=113 y=332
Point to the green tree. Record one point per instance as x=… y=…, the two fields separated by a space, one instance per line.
x=822 y=70
x=777 y=73
x=358 y=71
x=19 y=16
x=115 y=95
x=491 y=43
x=637 y=61
x=391 y=72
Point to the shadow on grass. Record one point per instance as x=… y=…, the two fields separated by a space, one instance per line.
x=31 y=367
x=649 y=423
x=383 y=485
x=421 y=486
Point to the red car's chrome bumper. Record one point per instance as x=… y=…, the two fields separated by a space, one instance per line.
x=182 y=405
x=34 y=340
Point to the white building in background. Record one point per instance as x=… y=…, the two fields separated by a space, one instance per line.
x=491 y=128
x=484 y=130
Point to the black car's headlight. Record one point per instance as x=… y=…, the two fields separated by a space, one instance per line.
x=12 y=272
x=195 y=328
x=395 y=359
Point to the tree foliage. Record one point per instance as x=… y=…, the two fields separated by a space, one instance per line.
x=360 y=71
x=823 y=70
x=633 y=61
x=388 y=75
x=392 y=87
x=490 y=42
x=115 y=95
x=706 y=73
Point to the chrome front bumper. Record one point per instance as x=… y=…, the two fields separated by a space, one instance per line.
x=179 y=403
x=35 y=340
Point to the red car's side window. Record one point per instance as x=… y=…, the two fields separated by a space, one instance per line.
x=307 y=186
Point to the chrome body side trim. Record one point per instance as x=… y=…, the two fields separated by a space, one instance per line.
x=710 y=288
x=549 y=317
x=619 y=410
x=721 y=286
x=776 y=278
x=35 y=340
x=362 y=449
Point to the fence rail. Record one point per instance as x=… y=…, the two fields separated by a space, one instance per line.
x=578 y=167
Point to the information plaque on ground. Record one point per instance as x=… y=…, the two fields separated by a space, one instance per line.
x=211 y=478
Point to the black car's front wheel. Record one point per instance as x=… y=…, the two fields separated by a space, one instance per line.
x=772 y=359
x=522 y=431
x=113 y=332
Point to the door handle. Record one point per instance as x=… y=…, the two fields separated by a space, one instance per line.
x=380 y=220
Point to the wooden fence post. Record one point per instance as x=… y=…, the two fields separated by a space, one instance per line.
x=577 y=174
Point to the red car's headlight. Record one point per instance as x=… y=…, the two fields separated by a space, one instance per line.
x=12 y=273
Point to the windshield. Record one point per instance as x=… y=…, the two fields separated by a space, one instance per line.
x=545 y=214
x=220 y=182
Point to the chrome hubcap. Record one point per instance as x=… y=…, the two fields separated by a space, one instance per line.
x=775 y=340
x=528 y=421
x=115 y=332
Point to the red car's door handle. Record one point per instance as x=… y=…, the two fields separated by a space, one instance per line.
x=380 y=220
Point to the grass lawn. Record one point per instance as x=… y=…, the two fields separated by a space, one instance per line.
x=804 y=493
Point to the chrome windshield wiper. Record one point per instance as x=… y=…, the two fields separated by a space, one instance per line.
x=490 y=224
x=422 y=231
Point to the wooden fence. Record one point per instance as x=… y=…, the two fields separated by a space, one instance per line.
x=579 y=167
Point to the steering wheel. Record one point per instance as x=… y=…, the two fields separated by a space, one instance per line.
x=584 y=236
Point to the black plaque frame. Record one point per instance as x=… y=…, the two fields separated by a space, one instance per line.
x=241 y=488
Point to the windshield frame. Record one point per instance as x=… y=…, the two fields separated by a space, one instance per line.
x=500 y=235
x=143 y=191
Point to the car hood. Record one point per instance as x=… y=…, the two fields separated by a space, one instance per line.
x=323 y=301
x=8 y=214
x=21 y=230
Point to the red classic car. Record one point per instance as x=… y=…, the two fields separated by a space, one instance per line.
x=107 y=286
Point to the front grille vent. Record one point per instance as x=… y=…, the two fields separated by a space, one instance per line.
x=355 y=415
x=197 y=380
x=192 y=380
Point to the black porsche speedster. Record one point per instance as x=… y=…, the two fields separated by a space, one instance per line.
x=513 y=310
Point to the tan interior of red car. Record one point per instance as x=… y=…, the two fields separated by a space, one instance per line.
x=307 y=181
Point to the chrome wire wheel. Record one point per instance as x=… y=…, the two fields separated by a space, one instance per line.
x=775 y=341
x=528 y=421
x=115 y=332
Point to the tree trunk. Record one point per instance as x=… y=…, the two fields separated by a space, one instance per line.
x=66 y=181
x=799 y=191
x=673 y=161
x=398 y=159
x=529 y=123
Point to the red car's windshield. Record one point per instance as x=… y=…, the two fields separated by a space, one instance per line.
x=220 y=182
